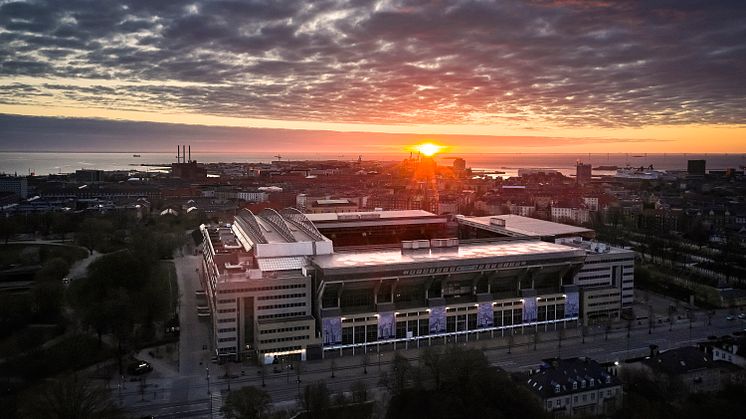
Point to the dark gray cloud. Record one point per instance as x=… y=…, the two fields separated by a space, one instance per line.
x=31 y=133
x=570 y=63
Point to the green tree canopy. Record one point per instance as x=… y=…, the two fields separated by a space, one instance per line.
x=247 y=403
x=69 y=397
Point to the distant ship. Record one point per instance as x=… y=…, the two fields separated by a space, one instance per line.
x=607 y=168
x=639 y=173
x=135 y=155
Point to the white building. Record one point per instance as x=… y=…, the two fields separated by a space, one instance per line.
x=16 y=184
x=523 y=210
x=591 y=202
x=252 y=196
x=606 y=280
x=575 y=215
x=733 y=352
x=257 y=286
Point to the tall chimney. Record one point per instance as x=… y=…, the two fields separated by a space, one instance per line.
x=190 y=152
x=183 y=153
x=177 y=155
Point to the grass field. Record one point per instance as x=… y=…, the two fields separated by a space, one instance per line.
x=36 y=254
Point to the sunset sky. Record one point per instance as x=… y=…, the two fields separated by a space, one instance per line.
x=478 y=76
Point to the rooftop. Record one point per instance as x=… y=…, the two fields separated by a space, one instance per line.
x=516 y=226
x=594 y=247
x=566 y=376
x=365 y=215
x=270 y=226
x=680 y=361
x=506 y=251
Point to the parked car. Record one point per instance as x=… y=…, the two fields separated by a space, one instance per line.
x=742 y=316
x=730 y=317
x=139 y=367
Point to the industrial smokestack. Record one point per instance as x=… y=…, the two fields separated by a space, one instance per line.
x=190 y=153
x=183 y=153
x=177 y=155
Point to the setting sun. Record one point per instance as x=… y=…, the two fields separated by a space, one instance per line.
x=429 y=149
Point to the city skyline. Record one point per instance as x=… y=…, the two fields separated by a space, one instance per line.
x=540 y=76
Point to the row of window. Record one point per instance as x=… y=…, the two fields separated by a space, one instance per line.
x=286 y=305
x=231 y=300
x=280 y=296
x=227 y=329
x=601 y=304
x=275 y=287
x=507 y=304
x=230 y=339
x=284 y=329
x=597 y=296
x=583 y=278
x=227 y=310
x=454 y=323
x=593 y=262
x=457 y=309
x=281 y=315
x=227 y=320
x=413 y=314
x=605 y=268
x=363 y=319
x=550 y=299
x=286 y=339
x=285 y=349
x=594 y=284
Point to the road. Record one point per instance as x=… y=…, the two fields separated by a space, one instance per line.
x=182 y=393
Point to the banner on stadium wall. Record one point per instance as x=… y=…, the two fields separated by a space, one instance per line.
x=529 y=310
x=572 y=304
x=485 y=315
x=332 y=327
x=437 y=320
x=386 y=325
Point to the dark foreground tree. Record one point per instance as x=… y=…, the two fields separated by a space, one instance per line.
x=316 y=400
x=70 y=397
x=247 y=403
x=459 y=383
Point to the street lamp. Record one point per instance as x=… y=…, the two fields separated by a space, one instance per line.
x=209 y=394
x=207 y=372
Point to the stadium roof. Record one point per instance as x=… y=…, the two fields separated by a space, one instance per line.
x=518 y=226
x=474 y=252
x=366 y=215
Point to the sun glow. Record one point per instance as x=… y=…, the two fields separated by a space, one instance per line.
x=429 y=149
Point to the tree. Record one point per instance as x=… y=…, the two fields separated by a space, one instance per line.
x=8 y=227
x=469 y=387
x=430 y=361
x=62 y=223
x=93 y=233
x=316 y=400
x=359 y=392
x=247 y=403
x=398 y=378
x=70 y=397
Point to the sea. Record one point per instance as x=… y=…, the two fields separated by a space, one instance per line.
x=504 y=165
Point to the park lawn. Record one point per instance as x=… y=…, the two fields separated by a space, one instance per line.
x=37 y=254
x=353 y=410
x=27 y=338
x=69 y=354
